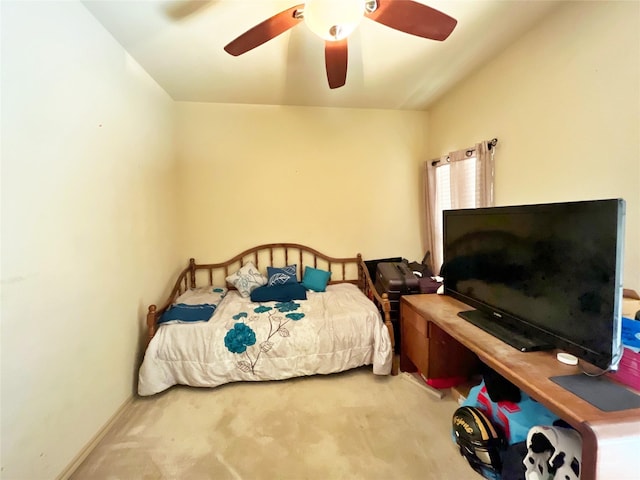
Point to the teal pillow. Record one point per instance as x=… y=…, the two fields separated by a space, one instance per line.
x=279 y=293
x=315 y=279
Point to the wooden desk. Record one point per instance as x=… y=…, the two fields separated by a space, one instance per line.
x=610 y=440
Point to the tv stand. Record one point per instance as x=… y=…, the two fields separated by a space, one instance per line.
x=610 y=440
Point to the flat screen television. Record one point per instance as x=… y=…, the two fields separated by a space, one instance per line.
x=541 y=276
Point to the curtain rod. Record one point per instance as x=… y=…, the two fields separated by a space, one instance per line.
x=490 y=144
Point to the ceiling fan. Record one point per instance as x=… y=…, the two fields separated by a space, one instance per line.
x=334 y=20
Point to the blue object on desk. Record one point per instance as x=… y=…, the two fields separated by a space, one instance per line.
x=630 y=332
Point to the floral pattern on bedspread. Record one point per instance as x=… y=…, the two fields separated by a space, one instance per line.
x=241 y=336
x=329 y=332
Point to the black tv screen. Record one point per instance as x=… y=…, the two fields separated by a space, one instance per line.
x=550 y=273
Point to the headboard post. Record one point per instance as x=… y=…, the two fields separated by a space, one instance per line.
x=360 y=273
x=152 y=322
x=192 y=272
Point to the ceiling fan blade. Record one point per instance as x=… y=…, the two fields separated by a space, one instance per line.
x=414 y=18
x=335 y=60
x=265 y=31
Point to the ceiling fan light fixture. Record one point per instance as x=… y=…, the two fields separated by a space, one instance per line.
x=333 y=20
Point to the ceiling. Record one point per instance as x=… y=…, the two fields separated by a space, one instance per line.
x=180 y=44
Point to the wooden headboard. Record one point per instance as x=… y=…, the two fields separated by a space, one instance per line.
x=343 y=270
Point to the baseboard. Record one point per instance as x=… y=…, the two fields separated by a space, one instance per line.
x=416 y=379
x=88 y=448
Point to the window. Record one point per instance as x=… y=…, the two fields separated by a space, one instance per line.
x=455 y=188
x=463 y=179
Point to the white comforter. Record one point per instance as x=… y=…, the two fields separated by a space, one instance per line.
x=329 y=332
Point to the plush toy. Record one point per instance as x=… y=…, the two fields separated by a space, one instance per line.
x=553 y=453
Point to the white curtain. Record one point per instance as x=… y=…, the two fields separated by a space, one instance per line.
x=461 y=179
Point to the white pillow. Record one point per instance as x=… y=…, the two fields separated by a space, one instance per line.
x=247 y=279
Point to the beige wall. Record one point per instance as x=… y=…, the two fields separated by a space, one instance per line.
x=90 y=188
x=340 y=180
x=87 y=237
x=564 y=102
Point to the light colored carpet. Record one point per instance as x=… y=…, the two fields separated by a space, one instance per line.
x=352 y=425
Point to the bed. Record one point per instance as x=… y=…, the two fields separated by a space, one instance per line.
x=272 y=312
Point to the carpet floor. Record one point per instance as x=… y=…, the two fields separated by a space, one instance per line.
x=352 y=425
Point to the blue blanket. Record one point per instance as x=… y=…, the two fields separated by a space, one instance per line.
x=631 y=333
x=182 y=313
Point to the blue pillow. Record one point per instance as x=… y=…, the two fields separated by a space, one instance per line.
x=315 y=279
x=280 y=276
x=279 y=293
